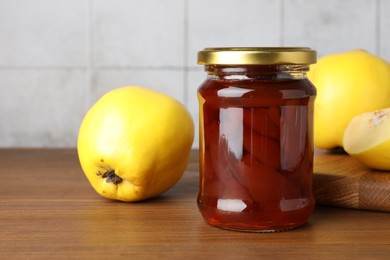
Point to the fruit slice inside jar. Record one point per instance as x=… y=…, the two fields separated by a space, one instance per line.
x=367 y=138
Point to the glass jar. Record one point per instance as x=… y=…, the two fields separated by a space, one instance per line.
x=256 y=138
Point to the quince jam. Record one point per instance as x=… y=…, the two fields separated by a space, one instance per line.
x=256 y=147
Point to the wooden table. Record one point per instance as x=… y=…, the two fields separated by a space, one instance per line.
x=49 y=210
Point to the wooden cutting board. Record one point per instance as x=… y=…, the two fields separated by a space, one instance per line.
x=340 y=180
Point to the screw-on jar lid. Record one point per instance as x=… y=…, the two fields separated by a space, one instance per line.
x=257 y=56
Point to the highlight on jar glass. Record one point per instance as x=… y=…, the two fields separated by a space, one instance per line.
x=256 y=138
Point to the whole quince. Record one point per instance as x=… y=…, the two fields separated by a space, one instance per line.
x=348 y=84
x=134 y=143
x=367 y=138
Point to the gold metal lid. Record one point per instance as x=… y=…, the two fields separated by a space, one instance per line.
x=257 y=56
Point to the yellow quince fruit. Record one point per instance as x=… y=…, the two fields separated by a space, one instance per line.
x=348 y=84
x=134 y=143
x=367 y=138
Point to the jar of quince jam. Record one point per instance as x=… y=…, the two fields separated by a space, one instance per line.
x=256 y=138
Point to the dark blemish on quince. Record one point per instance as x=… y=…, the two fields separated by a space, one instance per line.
x=110 y=176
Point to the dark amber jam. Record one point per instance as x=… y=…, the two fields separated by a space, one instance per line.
x=256 y=147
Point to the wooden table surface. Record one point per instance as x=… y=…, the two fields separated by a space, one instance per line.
x=49 y=210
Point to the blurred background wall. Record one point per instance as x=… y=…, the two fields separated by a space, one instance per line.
x=58 y=57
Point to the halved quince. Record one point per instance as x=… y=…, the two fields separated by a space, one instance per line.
x=367 y=138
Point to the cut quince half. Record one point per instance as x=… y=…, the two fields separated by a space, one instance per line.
x=367 y=138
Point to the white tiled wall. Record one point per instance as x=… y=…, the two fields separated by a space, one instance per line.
x=58 y=57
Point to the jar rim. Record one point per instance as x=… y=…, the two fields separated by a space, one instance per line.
x=257 y=56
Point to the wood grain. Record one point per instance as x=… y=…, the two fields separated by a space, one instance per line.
x=340 y=180
x=48 y=210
